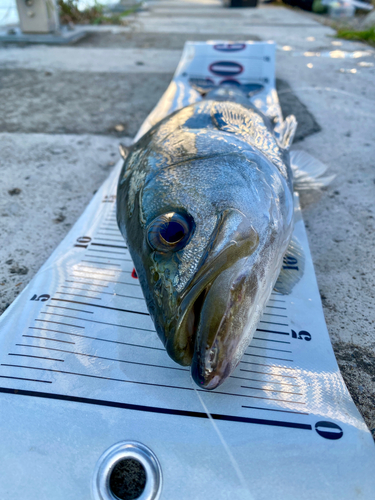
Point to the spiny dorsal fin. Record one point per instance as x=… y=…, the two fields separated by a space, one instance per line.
x=307 y=171
x=124 y=151
x=292 y=269
x=248 y=124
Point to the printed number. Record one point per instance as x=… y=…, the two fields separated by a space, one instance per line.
x=111 y=198
x=329 y=430
x=83 y=242
x=42 y=298
x=290 y=263
x=302 y=335
x=229 y=47
x=226 y=68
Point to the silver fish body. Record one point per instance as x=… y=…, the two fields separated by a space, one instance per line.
x=205 y=203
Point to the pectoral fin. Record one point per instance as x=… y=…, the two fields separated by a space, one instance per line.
x=292 y=269
x=308 y=172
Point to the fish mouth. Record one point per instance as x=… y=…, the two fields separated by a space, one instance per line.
x=194 y=314
x=205 y=305
x=212 y=329
x=219 y=331
x=205 y=358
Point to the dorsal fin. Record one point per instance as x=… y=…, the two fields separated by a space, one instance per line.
x=124 y=150
x=248 y=124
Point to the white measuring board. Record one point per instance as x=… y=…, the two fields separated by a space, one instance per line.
x=82 y=368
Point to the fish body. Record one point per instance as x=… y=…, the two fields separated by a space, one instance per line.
x=205 y=203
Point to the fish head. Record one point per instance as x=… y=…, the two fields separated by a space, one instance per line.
x=196 y=235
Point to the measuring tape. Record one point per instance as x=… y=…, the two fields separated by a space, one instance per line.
x=83 y=372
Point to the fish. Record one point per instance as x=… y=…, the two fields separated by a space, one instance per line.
x=205 y=202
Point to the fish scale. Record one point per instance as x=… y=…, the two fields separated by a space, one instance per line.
x=81 y=368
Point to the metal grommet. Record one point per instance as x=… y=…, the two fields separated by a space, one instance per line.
x=122 y=453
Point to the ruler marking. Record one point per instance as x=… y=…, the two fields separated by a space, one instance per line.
x=27 y=379
x=153 y=409
x=82 y=283
x=116 y=235
x=99 y=274
x=85 y=296
x=278 y=315
x=119 y=271
x=45 y=338
x=99 y=322
x=266 y=357
x=268 y=348
x=97 y=262
x=70 y=308
x=79 y=288
x=274 y=307
x=126 y=296
x=263 y=364
x=111 y=246
x=144 y=347
x=121 y=360
x=147 y=383
x=272 y=409
x=113 y=294
x=106 y=258
x=101 y=306
x=90 y=337
x=270 y=323
x=106 y=239
x=264 y=381
x=32 y=356
x=268 y=373
x=106 y=234
x=258 y=338
x=272 y=331
x=277 y=300
x=105 y=251
x=85 y=266
x=58 y=323
x=105 y=279
x=271 y=390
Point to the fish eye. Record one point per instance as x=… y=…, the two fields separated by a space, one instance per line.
x=170 y=232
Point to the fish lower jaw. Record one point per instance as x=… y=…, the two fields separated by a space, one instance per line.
x=181 y=345
x=194 y=316
x=208 y=378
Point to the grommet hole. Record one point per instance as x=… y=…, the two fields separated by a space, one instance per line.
x=127 y=480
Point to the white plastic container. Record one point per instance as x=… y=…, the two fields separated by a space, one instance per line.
x=341 y=9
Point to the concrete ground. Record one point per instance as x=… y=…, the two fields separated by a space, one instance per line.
x=65 y=109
